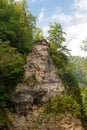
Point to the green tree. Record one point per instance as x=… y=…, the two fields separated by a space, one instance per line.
x=56 y=35
x=11 y=71
x=16 y=38
x=79 y=65
x=16 y=25
x=67 y=74
x=38 y=33
x=11 y=62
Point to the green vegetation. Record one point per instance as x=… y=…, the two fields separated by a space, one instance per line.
x=16 y=39
x=38 y=33
x=83 y=89
x=16 y=25
x=56 y=36
x=62 y=105
x=17 y=33
x=66 y=73
x=80 y=67
x=69 y=78
x=11 y=62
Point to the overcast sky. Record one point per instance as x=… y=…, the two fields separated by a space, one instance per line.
x=71 y=14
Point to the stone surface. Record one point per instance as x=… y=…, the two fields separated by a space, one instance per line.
x=40 y=79
x=35 y=120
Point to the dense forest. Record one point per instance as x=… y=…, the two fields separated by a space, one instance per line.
x=16 y=38
x=18 y=31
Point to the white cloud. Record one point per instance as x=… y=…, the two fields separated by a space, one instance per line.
x=75 y=36
x=61 y=17
x=77 y=31
x=45 y=30
x=41 y=16
x=81 y=16
x=80 y=5
x=74 y=25
x=75 y=48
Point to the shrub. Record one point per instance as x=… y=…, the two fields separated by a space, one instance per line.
x=63 y=104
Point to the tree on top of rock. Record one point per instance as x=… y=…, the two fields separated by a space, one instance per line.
x=56 y=36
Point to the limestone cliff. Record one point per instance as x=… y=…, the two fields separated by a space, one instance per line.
x=40 y=79
x=40 y=83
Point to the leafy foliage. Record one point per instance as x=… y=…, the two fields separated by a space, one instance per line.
x=63 y=104
x=65 y=69
x=56 y=36
x=83 y=89
x=16 y=25
x=16 y=39
x=79 y=66
x=38 y=33
x=70 y=81
x=66 y=73
x=11 y=70
x=11 y=62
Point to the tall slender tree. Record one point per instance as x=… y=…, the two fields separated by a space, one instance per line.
x=56 y=35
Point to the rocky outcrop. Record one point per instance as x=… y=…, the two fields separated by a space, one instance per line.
x=40 y=82
x=40 y=79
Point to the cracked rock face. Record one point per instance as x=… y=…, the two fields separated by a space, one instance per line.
x=40 y=79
